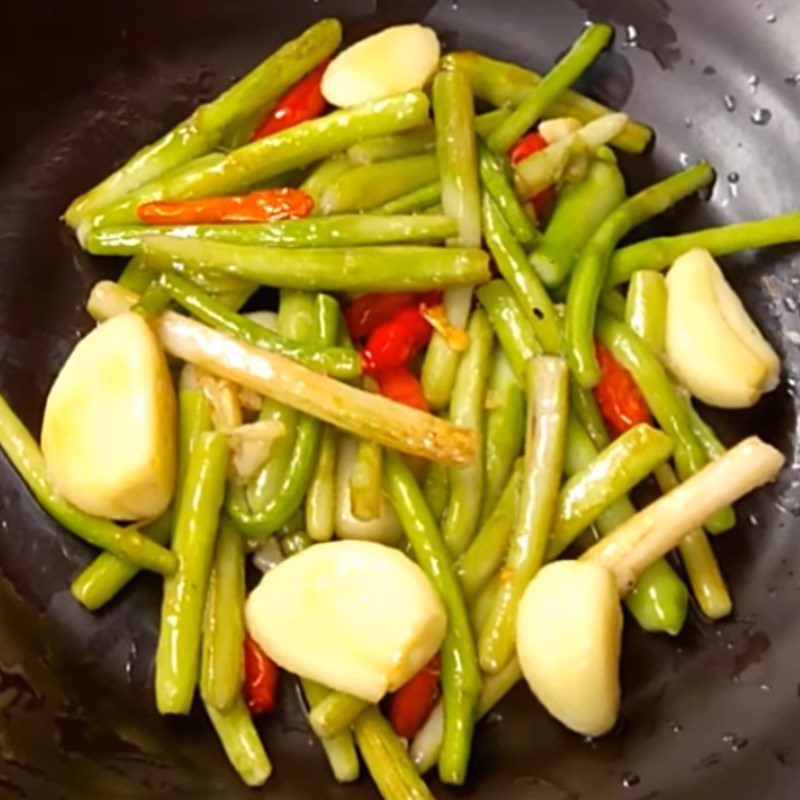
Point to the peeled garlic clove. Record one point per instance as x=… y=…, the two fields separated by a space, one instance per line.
x=395 y=60
x=569 y=631
x=355 y=616
x=108 y=434
x=712 y=344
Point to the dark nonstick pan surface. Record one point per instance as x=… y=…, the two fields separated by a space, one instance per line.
x=713 y=714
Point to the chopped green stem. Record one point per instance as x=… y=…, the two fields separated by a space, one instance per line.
x=646 y=308
x=106 y=576
x=366 y=489
x=196 y=522
x=488 y=549
x=239 y=739
x=372 y=185
x=436 y=488
x=659 y=601
x=580 y=208
x=585 y=408
x=591 y=269
x=461 y=680
x=335 y=361
x=440 y=364
x=342 y=230
x=341 y=269
x=135 y=277
x=414 y=202
x=321 y=495
x=340 y=750
x=467 y=403
x=222 y=670
x=282 y=499
x=544 y=455
x=327 y=171
x=514 y=331
x=394 y=146
x=662 y=252
x=543 y=96
x=384 y=528
x=702 y=569
x=335 y=713
x=611 y=475
x=514 y=267
x=387 y=760
x=503 y=84
x=662 y=398
x=505 y=428
x=495 y=180
x=453 y=111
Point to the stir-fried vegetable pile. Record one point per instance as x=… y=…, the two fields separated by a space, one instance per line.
x=467 y=374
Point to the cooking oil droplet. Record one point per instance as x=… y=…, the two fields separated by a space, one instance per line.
x=685 y=159
x=676 y=727
x=771 y=18
x=688 y=122
x=761 y=116
x=730 y=102
x=793 y=337
x=765 y=687
x=630 y=779
x=790 y=303
x=631 y=36
x=737 y=743
x=793 y=80
x=753 y=81
x=733 y=177
x=454 y=5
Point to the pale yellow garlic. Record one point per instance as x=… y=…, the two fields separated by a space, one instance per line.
x=356 y=616
x=396 y=60
x=712 y=345
x=108 y=434
x=569 y=631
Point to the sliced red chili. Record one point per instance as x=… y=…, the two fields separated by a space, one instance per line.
x=260 y=679
x=620 y=399
x=528 y=145
x=411 y=705
x=396 y=342
x=365 y=313
x=401 y=385
x=267 y=205
x=304 y=101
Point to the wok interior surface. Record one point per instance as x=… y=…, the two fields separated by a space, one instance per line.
x=711 y=714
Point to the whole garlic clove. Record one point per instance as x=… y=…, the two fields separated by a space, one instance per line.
x=569 y=633
x=712 y=344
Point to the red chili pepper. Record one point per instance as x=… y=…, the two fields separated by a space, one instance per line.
x=621 y=402
x=396 y=342
x=267 y=205
x=401 y=385
x=411 y=705
x=304 y=101
x=260 y=679
x=365 y=313
x=431 y=299
x=526 y=146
